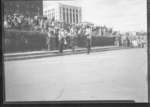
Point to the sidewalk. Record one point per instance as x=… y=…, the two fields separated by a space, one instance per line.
x=38 y=54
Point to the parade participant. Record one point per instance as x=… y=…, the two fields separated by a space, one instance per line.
x=35 y=23
x=128 y=41
x=6 y=25
x=46 y=24
x=135 y=44
x=65 y=38
x=42 y=24
x=119 y=40
x=56 y=33
x=72 y=39
x=89 y=38
x=61 y=40
x=124 y=41
x=142 y=42
x=50 y=33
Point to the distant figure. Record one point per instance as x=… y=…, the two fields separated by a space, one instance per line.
x=116 y=41
x=6 y=25
x=120 y=43
x=72 y=39
x=35 y=23
x=89 y=39
x=135 y=43
x=128 y=42
x=124 y=42
x=49 y=37
x=56 y=33
x=142 y=42
x=65 y=38
x=61 y=40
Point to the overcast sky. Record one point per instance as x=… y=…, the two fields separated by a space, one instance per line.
x=122 y=15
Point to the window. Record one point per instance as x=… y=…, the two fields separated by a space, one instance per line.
x=77 y=18
x=76 y=11
x=70 y=16
x=63 y=14
x=73 y=16
x=67 y=16
x=60 y=11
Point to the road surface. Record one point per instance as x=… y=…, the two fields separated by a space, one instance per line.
x=110 y=75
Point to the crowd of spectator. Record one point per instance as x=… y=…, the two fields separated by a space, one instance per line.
x=43 y=24
x=65 y=34
x=129 y=41
x=62 y=31
x=21 y=22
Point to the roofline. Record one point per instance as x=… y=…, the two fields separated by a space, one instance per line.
x=69 y=5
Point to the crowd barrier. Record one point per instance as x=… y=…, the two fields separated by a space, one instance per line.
x=24 y=41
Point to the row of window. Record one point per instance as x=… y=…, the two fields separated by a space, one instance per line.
x=70 y=15
x=71 y=10
x=49 y=11
x=66 y=15
x=51 y=15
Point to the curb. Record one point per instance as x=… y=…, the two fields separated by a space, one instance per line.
x=50 y=52
x=56 y=53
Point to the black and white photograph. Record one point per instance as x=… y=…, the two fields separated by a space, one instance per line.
x=75 y=50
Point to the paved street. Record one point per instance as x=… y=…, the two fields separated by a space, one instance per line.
x=110 y=75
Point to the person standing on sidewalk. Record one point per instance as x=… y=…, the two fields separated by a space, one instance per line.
x=89 y=38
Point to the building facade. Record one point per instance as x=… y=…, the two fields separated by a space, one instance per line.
x=63 y=13
x=26 y=7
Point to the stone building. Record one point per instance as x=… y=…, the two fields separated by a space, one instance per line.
x=63 y=13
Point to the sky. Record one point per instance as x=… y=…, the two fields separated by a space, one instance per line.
x=121 y=15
